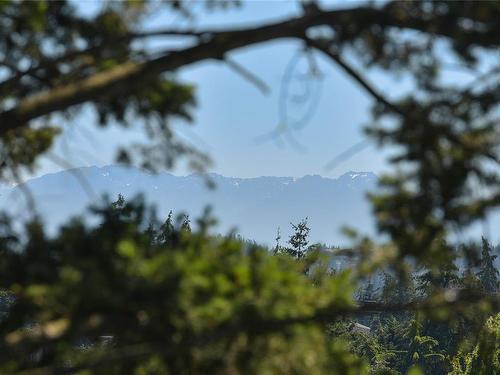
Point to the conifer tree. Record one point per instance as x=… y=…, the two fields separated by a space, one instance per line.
x=167 y=230
x=218 y=308
x=469 y=279
x=369 y=291
x=151 y=233
x=119 y=203
x=422 y=350
x=299 y=239
x=398 y=291
x=484 y=358
x=186 y=224
x=436 y=279
x=488 y=273
x=277 y=248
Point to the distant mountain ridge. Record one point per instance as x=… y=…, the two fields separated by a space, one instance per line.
x=255 y=206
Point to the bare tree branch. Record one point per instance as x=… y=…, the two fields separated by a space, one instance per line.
x=354 y=75
x=74 y=54
x=248 y=75
x=125 y=77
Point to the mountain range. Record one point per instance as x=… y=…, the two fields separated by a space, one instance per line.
x=255 y=207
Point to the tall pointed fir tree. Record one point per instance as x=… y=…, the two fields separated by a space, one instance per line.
x=167 y=231
x=277 y=247
x=299 y=239
x=488 y=273
x=186 y=224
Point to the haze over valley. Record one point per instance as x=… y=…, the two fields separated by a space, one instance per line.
x=253 y=206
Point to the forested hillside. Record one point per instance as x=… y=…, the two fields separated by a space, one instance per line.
x=255 y=207
x=125 y=289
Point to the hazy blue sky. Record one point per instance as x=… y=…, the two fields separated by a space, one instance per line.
x=232 y=114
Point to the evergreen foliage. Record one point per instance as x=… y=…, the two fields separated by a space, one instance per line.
x=167 y=232
x=488 y=273
x=485 y=356
x=172 y=300
x=204 y=305
x=186 y=224
x=299 y=239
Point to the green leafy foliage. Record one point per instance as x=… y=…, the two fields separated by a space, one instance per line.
x=202 y=305
x=132 y=296
x=485 y=356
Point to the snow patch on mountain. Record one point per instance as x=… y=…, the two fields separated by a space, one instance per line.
x=255 y=206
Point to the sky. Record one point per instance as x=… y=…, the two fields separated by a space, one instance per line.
x=233 y=118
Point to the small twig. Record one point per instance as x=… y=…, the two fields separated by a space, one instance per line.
x=248 y=75
x=355 y=75
x=73 y=54
x=166 y=32
x=347 y=154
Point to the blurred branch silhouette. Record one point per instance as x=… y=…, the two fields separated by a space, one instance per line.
x=174 y=300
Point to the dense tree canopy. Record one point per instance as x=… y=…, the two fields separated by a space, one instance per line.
x=182 y=301
x=188 y=303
